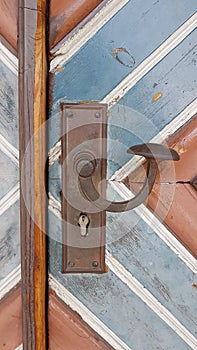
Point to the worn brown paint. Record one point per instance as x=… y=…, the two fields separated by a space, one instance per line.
x=32 y=114
x=173 y=201
x=8 y=21
x=66 y=15
x=68 y=330
x=11 y=321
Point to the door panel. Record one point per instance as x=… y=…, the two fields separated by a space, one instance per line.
x=147 y=298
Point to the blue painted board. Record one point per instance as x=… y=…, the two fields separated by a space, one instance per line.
x=9 y=240
x=136 y=118
x=8 y=104
x=140 y=27
x=155 y=265
x=9 y=176
x=115 y=304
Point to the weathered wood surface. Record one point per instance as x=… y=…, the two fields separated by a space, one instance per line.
x=8 y=21
x=95 y=66
x=173 y=198
x=11 y=321
x=8 y=105
x=32 y=113
x=150 y=105
x=66 y=15
x=8 y=174
x=9 y=240
x=66 y=327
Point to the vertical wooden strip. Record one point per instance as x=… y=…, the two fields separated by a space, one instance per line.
x=32 y=114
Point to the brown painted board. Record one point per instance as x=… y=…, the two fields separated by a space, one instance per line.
x=11 y=321
x=66 y=328
x=8 y=21
x=173 y=199
x=68 y=331
x=66 y=15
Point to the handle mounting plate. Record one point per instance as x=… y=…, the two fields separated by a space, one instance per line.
x=84 y=129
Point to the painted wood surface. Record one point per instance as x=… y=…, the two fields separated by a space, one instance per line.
x=8 y=104
x=11 y=321
x=151 y=104
x=8 y=15
x=177 y=211
x=9 y=173
x=95 y=65
x=9 y=240
x=65 y=16
x=66 y=327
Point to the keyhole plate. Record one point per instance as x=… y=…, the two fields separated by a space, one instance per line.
x=84 y=129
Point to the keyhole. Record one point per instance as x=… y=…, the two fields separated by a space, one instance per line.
x=83 y=223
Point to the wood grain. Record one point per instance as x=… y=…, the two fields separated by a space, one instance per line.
x=32 y=112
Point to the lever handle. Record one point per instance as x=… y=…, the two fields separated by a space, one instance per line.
x=152 y=153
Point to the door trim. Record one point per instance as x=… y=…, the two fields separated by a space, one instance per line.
x=32 y=115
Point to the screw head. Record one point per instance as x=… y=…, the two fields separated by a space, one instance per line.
x=97 y=114
x=69 y=114
x=71 y=264
x=95 y=263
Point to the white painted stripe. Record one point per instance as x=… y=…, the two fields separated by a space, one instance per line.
x=126 y=277
x=54 y=153
x=162 y=136
x=8 y=59
x=73 y=44
x=158 y=227
x=10 y=198
x=10 y=281
x=150 y=300
x=20 y=347
x=97 y=325
x=149 y=218
x=9 y=150
x=127 y=83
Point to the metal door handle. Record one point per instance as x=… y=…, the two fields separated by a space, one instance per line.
x=152 y=152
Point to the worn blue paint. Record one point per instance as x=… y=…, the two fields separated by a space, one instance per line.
x=8 y=174
x=140 y=27
x=148 y=258
x=93 y=71
x=9 y=240
x=8 y=104
x=137 y=117
x=114 y=304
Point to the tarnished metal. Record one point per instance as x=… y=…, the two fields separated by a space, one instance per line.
x=84 y=153
x=154 y=150
x=152 y=153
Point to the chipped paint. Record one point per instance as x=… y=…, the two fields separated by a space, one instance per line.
x=157 y=96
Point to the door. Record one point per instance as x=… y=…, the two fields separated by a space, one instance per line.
x=138 y=58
